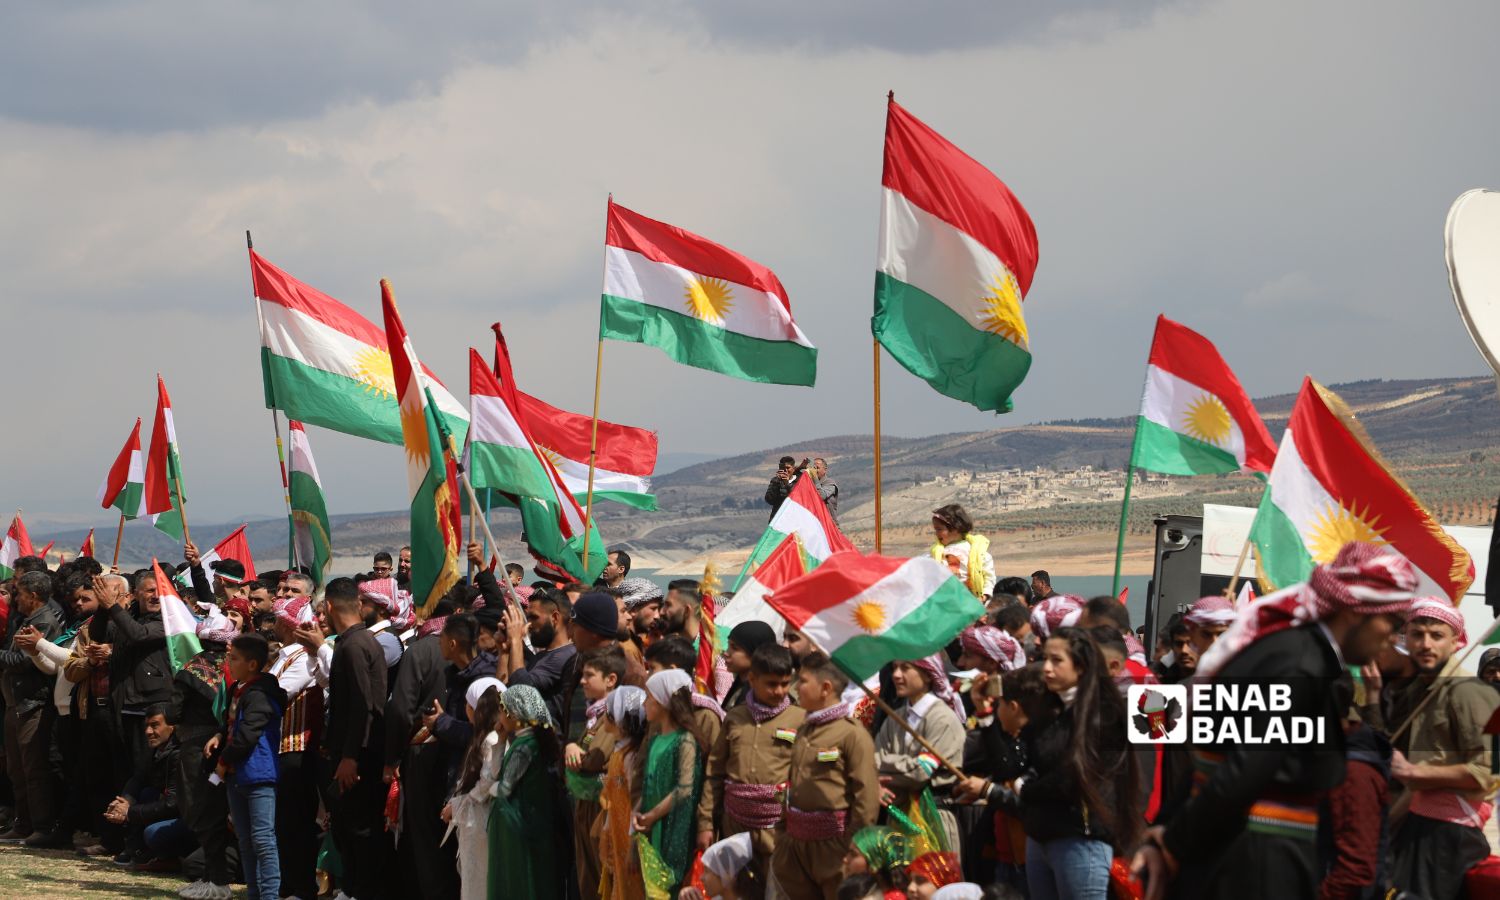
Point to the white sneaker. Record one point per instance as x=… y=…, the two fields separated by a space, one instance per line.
x=193 y=891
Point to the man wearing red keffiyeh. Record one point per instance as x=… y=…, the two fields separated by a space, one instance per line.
x=1249 y=827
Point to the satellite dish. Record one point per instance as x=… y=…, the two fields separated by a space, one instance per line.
x=1472 y=242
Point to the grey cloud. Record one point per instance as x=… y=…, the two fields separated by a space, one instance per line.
x=148 y=65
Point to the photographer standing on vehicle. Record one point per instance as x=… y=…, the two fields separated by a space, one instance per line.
x=787 y=473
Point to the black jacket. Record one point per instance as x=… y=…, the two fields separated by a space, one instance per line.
x=452 y=729
x=356 y=695
x=1213 y=817
x=140 y=672
x=159 y=771
x=418 y=682
x=24 y=685
x=1052 y=804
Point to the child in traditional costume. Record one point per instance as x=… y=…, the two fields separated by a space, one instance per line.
x=524 y=856
x=469 y=808
x=672 y=785
x=619 y=870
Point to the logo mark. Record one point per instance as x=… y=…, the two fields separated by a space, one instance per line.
x=1158 y=713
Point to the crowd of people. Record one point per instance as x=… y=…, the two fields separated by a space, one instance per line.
x=561 y=740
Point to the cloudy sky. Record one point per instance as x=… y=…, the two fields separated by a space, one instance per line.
x=1274 y=174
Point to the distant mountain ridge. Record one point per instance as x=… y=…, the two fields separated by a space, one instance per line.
x=718 y=505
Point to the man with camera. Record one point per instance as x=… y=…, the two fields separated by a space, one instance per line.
x=787 y=473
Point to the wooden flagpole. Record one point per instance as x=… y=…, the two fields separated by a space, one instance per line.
x=588 y=512
x=877 y=447
x=187 y=535
x=1240 y=564
x=114 y=565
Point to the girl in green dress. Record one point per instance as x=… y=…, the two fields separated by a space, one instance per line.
x=524 y=850
x=673 y=776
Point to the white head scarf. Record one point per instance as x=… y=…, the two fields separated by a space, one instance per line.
x=728 y=857
x=667 y=682
x=477 y=688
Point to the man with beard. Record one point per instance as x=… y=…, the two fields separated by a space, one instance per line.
x=680 y=616
x=643 y=607
x=1249 y=825
x=1184 y=658
x=1442 y=758
x=548 y=665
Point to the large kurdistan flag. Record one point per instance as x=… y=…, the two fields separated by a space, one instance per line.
x=699 y=302
x=311 y=535
x=325 y=364
x=957 y=252
x=1329 y=487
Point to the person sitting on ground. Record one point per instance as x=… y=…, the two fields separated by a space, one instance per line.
x=966 y=554
x=155 y=837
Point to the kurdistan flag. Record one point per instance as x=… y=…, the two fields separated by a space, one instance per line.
x=324 y=364
x=164 y=491
x=234 y=547
x=957 y=252
x=436 y=524
x=866 y=611
x=1329 y=487
x=504 y=458
x=17 y=544
x=311 y=535
x=124 y=486
x=700 y=303
x=177 y=622
x=802 y=516
x=1195 y=418
x=626 y=456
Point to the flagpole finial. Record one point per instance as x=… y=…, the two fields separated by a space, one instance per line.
x=249 y=244
x=890 y=96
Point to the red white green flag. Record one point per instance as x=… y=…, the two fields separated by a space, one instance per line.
x=311 y=533
x=803 y=516
x=786 y=563
x=1330 y=486
x=1195 y=418
x=436 y=523
x=17 y=544
x=177 y=622
x=866 y=611
x=88 y=545
x=699 y=302
x=164 y=491
x=503 y=457
x=325 y=364
x=235 y=547
x=124 y=486
x=957 y=253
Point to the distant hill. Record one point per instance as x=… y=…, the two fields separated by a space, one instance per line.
x=1440 y=433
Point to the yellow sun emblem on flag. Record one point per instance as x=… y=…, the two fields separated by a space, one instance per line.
x=372 y=367
x=709 y=299
x=414 y=432
x=1002 y=309
x=1337 y=526
x=1207 y=420
x=552 y=456
x=869 y=616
